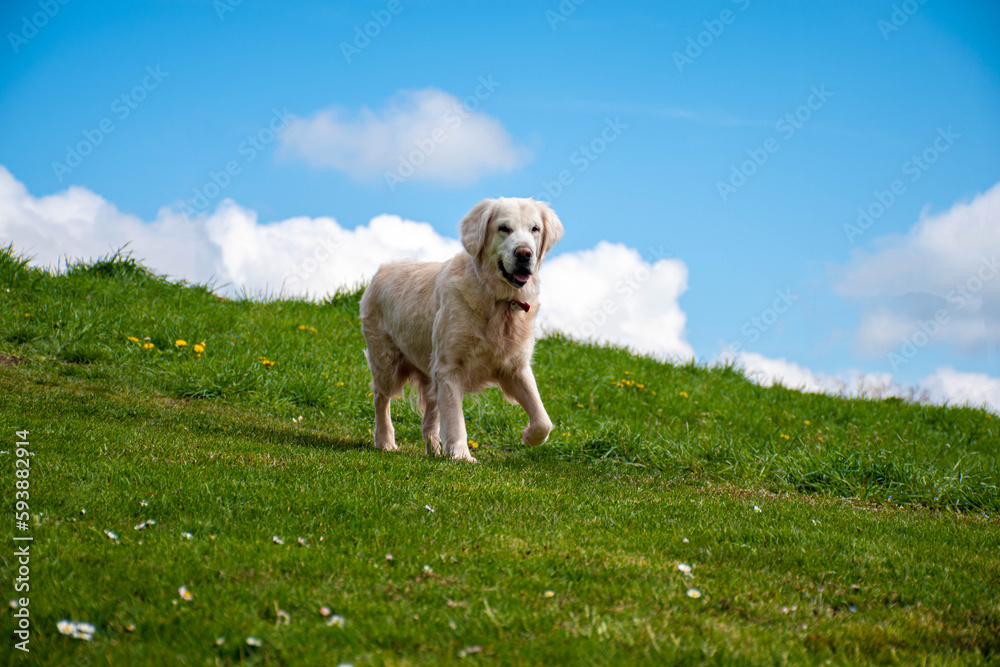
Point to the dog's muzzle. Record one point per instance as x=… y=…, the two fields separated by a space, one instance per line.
x=519 y=277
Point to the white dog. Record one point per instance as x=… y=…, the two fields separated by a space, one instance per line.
x=459 y=326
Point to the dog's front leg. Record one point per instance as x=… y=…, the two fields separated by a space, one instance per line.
x=453 y=435
x=522 y=388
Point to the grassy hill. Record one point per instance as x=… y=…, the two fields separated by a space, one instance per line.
x=816 y=528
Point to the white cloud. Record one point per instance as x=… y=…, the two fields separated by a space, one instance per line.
x=611 y=294
x=767 y=372
x=947 y=268
x=608 y=294
x=956 y=388
x=945 y=386
x=230 y=247
x=424 y=135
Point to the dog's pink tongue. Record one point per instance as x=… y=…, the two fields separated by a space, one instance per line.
x=523 y=277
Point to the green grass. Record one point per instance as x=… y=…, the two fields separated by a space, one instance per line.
x=875 y=541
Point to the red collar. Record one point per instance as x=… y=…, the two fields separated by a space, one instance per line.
x=519 y=304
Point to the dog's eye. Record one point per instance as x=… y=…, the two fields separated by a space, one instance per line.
x=535 y=229
x=505 y=229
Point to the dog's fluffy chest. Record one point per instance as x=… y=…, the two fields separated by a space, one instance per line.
x=507 y=329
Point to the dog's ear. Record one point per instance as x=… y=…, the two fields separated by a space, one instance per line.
x=475 y=226
x=552 y=228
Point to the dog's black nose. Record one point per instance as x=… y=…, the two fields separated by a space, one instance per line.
x=523 y=254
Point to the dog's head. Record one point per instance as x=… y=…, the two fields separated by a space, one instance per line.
x=509 y=237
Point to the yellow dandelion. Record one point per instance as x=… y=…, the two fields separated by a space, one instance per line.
x=148 y=346
x=302 y=327
x=199 y=347
x=785 y=437
x=806 y=422
x=641 y=386
x=267 y=362
x=473 y=444
x=579 y=405
x=313 y=329
x=628 y=372
x=180 y=343
x=27 y=314
x=340 y=384
x=684 y=394
x=133 y=339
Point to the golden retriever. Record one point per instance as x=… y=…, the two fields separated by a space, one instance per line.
x=459 y=326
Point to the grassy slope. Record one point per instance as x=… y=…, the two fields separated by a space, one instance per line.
x=875 y=541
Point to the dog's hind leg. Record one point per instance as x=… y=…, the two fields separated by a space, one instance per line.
x=430 y=427
x=386 y=364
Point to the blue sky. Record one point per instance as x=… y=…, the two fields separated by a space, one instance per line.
x=655 y=188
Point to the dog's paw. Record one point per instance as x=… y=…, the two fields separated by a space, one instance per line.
x=387 y=446
x=534 y=435
x=465 y=457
